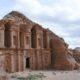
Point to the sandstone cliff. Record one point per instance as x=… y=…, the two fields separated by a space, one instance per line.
x=63 y=56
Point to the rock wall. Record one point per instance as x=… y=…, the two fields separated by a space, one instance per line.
x=76 y=54
x=63 y=58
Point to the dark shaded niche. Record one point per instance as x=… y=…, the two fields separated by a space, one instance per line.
x=33 y=38
x=7 y=38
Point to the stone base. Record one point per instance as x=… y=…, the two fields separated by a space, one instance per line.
x=3 y=78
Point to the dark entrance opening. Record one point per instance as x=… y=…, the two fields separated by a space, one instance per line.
x=28 y=62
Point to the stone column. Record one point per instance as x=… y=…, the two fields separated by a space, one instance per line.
x=19 y=61
x=12 y=63
x=1 y=38
x=1 y=62
x=24 y=61
x=18 y=37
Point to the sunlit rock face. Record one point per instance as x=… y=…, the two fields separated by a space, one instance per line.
x=63 y=56
x=76 y=54
x=25 y=44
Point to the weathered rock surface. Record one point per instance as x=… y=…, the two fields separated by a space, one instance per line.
x=63 y=57
x=76 y=54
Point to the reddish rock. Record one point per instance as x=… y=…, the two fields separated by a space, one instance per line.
x=26 y=44
x=76 y=54
x=63 y=57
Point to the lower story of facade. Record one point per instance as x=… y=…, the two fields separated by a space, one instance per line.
x=15 y=60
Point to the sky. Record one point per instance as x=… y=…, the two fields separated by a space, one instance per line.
x=60 y=16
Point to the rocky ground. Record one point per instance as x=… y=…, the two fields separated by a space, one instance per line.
x=45 y=75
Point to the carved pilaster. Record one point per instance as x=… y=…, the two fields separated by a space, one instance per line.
x=1 y=37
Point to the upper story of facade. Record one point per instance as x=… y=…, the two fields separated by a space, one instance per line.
x=17 y=31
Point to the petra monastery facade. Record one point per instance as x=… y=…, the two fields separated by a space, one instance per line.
x=27 y=45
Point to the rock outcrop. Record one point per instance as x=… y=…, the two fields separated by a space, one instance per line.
x=76 y=54
x=63 y=56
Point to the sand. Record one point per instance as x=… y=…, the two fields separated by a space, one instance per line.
x=46 y=75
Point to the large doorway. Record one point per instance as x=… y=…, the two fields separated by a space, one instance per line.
x=27 y=62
